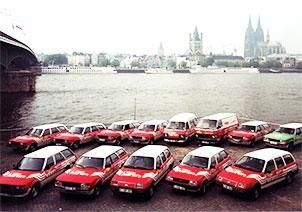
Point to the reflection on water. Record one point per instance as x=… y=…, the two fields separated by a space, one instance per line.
x=72 y=98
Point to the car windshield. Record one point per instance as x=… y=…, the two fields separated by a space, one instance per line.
x=247 y=128
x=150 y=127
x=286 y=130
x=250 y=163
x=34 y=132
x=198 y=162
x=207 y=124
x=30 y=164
x=89 y=162
x=116 y=127
x=176 y=125
x=138 y=162
x=76 y=130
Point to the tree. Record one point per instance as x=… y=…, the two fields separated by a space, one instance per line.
x=271 y=64
x=104 y=62
x=171 y=63
x=183 y=64
x=55 y=59
x=134 y=63
x=115 y=63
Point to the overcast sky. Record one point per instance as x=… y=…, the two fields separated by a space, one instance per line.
x=138 y=26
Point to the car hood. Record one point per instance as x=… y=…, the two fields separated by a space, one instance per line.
x=205 y=131
x=134 y=176
x=25 y=139
x=110 y=132
x=19 y=178
x=81 y=175
x=242 y=133
x=280 y=136
x=143 y=133
x=189 y=173
x=68 y=136
x=233 y=175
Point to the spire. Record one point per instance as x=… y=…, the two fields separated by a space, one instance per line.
x=259 y=23
x=250 y=23
x=259 y=35
x=195 y=34
x=267 y=37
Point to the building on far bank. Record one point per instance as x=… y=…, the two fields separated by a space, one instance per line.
x=195 y=44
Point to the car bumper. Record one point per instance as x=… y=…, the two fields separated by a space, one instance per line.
x=139 y=141
x=183 y=186
x=276 y=144
x=129 y=191
x=74 y=190
x=23 y=194
x=175 y=140
x=17 y=146
x=239 y=141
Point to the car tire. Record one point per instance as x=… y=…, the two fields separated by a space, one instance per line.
x=118 y=141
x=76 y=145
x=151 y=142
x=150 y=192
x=252 y=144
x=255 y=193
x=290 y=146
x=34 y=192
x=203 y=188
x=96 y=191
x=289 y=178
x=32 y=148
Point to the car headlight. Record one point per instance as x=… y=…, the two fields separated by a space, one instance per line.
x=230 y=136
x=114 y=183
x=283 y=142
x=245 y=138
x=193 y=182
x=21 y=144
x=266 y=139
x=240 y=185
x=58 y=184
x=166 y=134
x=9 y=142
x=20 y=187
x=169 y=178
x=213 y=136
x=219 y=178
x=182 y=136
x=85 y=186
x=138 y=185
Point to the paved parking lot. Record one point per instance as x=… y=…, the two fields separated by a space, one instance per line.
x=277 y=198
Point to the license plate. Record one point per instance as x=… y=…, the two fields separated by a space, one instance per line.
x=70 y=188
x=274 y=143
x=179 y=187
x=58 y=144
x=205 y=142
x=227 y=187
x=125 y=190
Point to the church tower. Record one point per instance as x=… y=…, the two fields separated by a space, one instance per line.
x=195 y=43
x=249 y=42
x=259 y=35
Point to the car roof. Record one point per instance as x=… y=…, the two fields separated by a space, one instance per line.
x=124 y=122
x=87 y=124
x=154 y=121
x=219 y=116
x=183 y=117
x=206 y=151
x=102 y=151
x=47 y=126
x=254 y=123
x=150 y=151
x=267 y=153
x=46 y=152
x=292 y=125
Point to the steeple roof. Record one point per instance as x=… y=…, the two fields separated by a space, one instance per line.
x=195 y=34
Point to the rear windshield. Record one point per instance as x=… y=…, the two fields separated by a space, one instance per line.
x=250 y=163
x=76 y=130
x=247 y=128
x=150 y=127
x=30 y=164
x=198 y=162
x=138 y=162
x=116 y=127
x=34 y=132
x=207 y=124
x=89 y=162
x=286 y=130
x=176 y=125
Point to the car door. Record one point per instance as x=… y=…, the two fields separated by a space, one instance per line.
x=54 y=132
x=259 y=133
x=213 y=167
x=280 y=168
x=269 y=172
x=157 y=132
x=59 y=161
x=47 y=138
x=115 y=163
x=108 y=168
x=49 y=170
x=159 y=170
x=298 y=139
x=87 y=136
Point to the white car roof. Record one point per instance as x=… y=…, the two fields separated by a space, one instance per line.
x=88 y=124
x=155 y=122
x=47 y=126
x=46 y=152
x=219 y=116
x=292 y=125
x=183 y=117
x=150 y=151
x=102 y=151
x=254 y=123
x=267 y=153
x=206 y=151
x=124 y=122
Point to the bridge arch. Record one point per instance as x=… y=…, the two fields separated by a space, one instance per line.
x=19 y=63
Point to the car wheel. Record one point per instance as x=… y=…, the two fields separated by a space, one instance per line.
x=150 y=192
x=34 y=192
x=289 y=178
x=252 y=144
x=203 y=188
x=76 y=145
x=118 y=142
x=255 y=193
x=32 y=148
x=151 y=141
x=290 y=146
x=97 y=191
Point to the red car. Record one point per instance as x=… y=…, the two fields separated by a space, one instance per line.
x=37 y=137
x=80 y=134
x=198 y=169
x=180 y=128
x=249 y=133
x=148 y=132
x=92 y=170
x=258 y=170
x=35 y=170
x=144 y=169
x=117 y=132
x=213 y=129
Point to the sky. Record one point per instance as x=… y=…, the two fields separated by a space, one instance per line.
x=138 y=26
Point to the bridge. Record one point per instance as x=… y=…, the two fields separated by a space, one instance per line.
x=19 y=65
